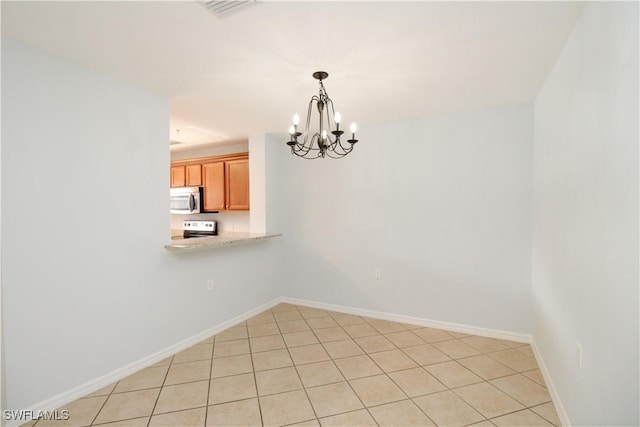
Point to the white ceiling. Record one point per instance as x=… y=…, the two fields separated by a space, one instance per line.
x=247 y=73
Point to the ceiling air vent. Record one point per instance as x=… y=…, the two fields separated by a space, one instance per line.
x=222 y=8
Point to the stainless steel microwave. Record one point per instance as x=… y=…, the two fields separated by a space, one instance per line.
x=186 y=200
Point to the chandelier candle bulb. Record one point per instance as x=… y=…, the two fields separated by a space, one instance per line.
x=296 y=119
x=338 y=118
x=354 y=128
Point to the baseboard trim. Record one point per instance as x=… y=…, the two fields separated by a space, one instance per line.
x=555 y=397
x=448 y=326
x=87 y=388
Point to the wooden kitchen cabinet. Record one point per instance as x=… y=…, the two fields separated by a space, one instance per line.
x=193 y=175
x=177 y=176
x=186 y=176
x=213 y=186
x=237 y=184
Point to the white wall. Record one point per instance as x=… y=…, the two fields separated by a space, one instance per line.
x=87 y=284
x=585 y=233
x=441 y=205
x=258 y=187
x=3 y=396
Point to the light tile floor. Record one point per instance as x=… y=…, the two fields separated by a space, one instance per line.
x=294 y=365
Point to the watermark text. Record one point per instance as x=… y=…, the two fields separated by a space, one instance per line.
x=30 y=414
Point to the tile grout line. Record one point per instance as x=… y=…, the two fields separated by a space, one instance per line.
x=542 y=416
x=104 y=403
x=514 y=398
x=206 y=403
x=315 y=413
x=253 y=370
x=513 y=412
x=160 y=391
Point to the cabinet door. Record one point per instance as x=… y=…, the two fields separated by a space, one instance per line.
x=213 y=185
x=237 y=184
x=194 y=175
x=177 y=176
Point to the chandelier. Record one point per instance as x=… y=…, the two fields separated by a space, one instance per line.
x=320 y=144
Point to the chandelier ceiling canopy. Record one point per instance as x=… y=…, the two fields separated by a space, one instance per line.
x=315 y=143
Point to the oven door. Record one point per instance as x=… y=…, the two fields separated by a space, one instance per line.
x=185 y=200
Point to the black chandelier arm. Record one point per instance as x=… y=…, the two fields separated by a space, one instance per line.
x=309 y=157
x=303 y=152
x=303 y=149
x=346 y=147
x=310 y=153
x=300 y=150
x=337 y=154
x=335 y=148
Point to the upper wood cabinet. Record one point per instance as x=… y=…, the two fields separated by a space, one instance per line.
x=224 y=180
x=177 y=176
x=213 y=187
x=188 y=175
x=194 y=175
x=237 y=184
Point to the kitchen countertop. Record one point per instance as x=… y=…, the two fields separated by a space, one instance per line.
x=221 y=240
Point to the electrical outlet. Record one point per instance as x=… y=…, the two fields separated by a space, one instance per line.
x=579 y=354
x=209 y=285
x=377 y=274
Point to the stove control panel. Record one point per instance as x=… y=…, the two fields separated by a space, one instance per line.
x=199 y=225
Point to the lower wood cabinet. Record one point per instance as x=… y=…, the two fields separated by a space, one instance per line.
x=224 y=179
